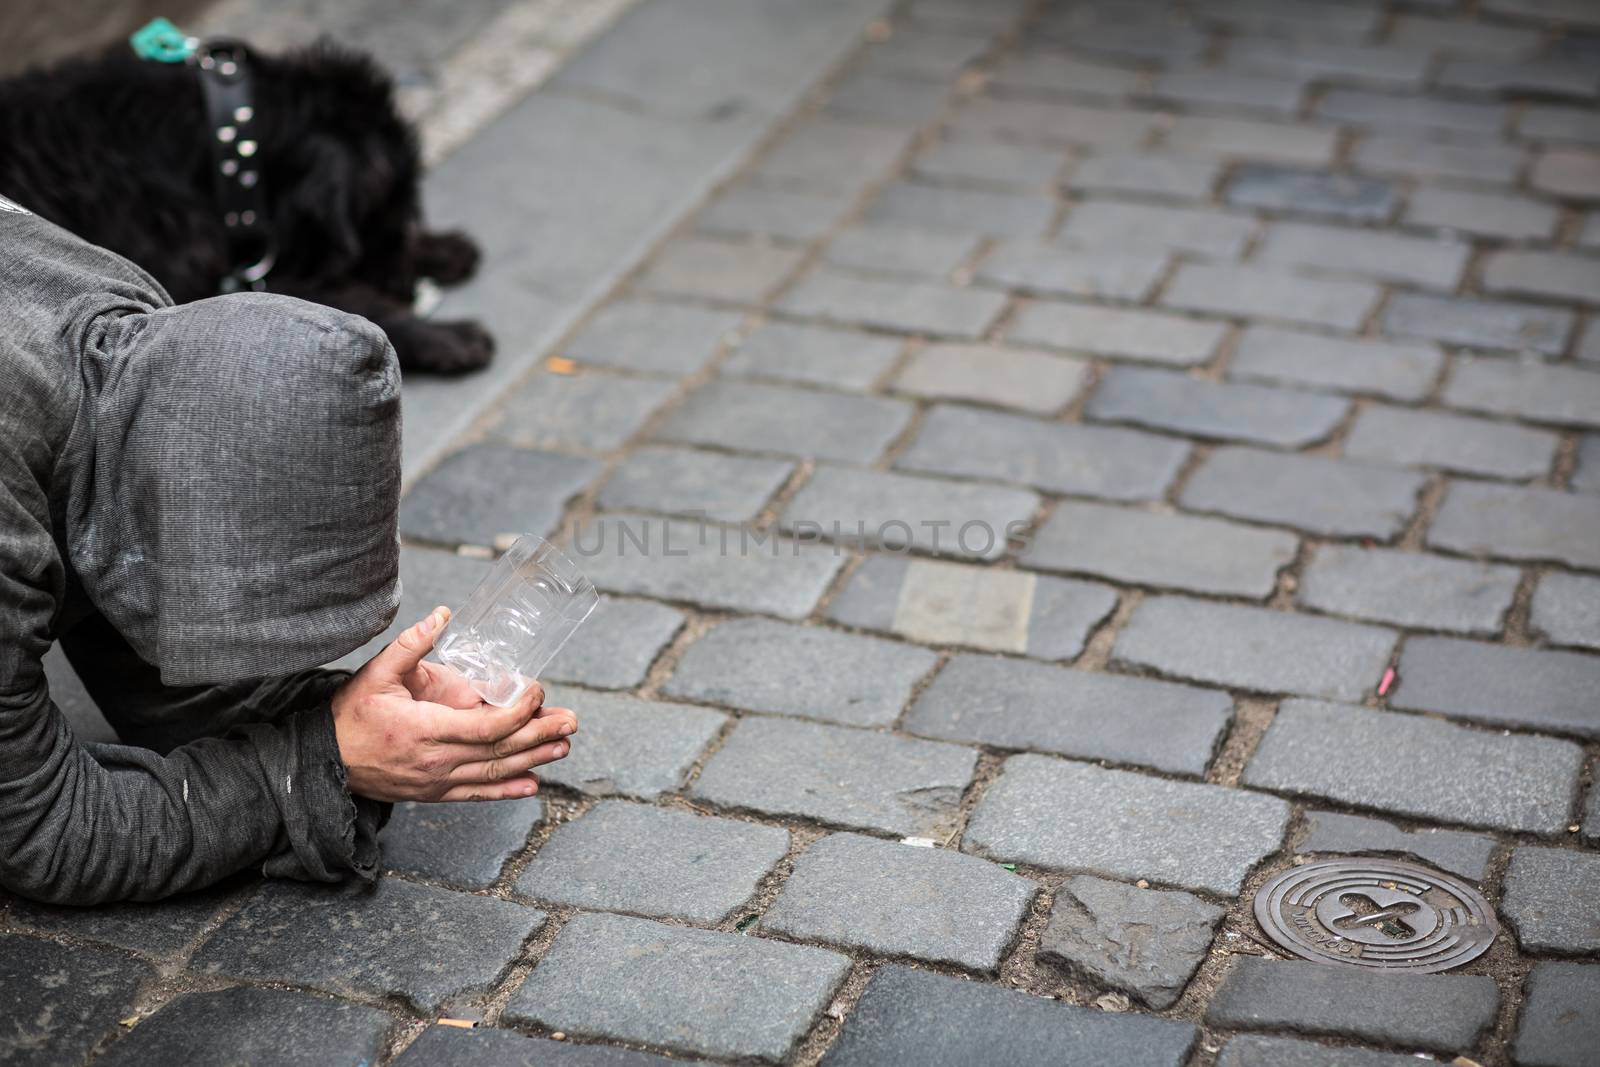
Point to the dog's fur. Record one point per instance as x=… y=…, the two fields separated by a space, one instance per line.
x=117 y=151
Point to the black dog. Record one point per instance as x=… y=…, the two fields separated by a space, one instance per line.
x=119 y=151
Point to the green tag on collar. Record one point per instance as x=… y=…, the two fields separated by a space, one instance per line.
x=161 y=41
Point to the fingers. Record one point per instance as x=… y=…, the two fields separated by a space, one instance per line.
x=486 y=724
x=401 y=656
x=558 y=724
x=511 y=790
x=495 y=770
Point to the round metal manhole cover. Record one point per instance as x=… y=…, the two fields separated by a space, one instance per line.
x=1384 y=914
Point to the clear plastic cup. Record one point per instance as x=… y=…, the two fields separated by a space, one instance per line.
x=517 y=619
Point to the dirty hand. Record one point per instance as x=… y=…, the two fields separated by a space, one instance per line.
x=409 y=730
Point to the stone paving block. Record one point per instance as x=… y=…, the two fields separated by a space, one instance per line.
x=1536 y=391
x=1262 y=292
x=1132 y=40
x=996 y=163
x=1509 y=522
x=981 y=211
x=1548 y=275
x=1098 y=461
x=1553 y=123
x=421 y=944
x=739 y=272
x=1011 y=704
x=1558 y=1025
x=879 y=99
x=450 y=1046
x=1474 y=159
x=938 y=603
x=1422 y=261
x=1363 y=107
x=936 y=53
x=1113 y=224
x=615 y=647
x=1051 y=813
x=158 y=929
x=1576 y=12
x=464 y=843
x=912 y=1016
x=1146 y=942
x=1416 y=766
x=1346 y=365
x=775 y=212
x=718 y=567
x=911 y=307
x=483 y=492
x=1567 y=173
x=261 y=1027
x=683 y=480
x=1407 y=437
x=760 y=665
x=749 y=417
x=1521 y=687
x=697 y=991
x=1043 y=267
x=1552 y=900
x=1589 y=344
x=1488 y=214
x=630 y=747
x=1317 y=21
x=1400 y=67
x=1586 y=478
x=648 y=335
x=1033 y=381
x=819 y=355
x=1312 y=192
x=1256 y=414
x=1031 y=71
x=1566 y=609
x=901 y=250
x=856 y=507
x=1120 y=333
x=1168 y=551
x=571 y=412
x=1336 y=498
x=61 y=1000
x=1260 y=1050
x=1451 y=850
x=1445 y=1012
x=1212 y=88
x=926 y=903
x=1409 y=589
x=1252 y=140
x=1052 y=123
x=823 y=153
x=654 y=861
x=1182 y=177
x=1459 y=36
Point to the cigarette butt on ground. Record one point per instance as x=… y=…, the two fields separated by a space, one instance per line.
x=464 y=1024
x=558 y=365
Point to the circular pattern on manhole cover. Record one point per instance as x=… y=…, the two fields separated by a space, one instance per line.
x=1384 y=914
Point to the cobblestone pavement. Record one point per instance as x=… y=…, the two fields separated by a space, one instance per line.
x=1217 y=358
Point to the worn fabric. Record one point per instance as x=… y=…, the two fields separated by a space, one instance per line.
x=199 y=503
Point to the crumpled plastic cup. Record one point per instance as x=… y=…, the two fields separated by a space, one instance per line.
x=514 y=623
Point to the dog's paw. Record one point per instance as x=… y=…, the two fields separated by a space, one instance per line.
x=448 y=258
x=451 y=348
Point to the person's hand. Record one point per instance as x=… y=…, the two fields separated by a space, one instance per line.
x=404 y=743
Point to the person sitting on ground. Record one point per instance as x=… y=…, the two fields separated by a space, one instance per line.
x=199 y=503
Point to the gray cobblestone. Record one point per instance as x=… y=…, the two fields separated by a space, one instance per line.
x=1473 y=160
x=1010 y=704
x=1038 y=382
x=1248 y=139
x=1353 y=365
x=1452 y=850
x=1146 y=942
x=863 y=96
x=897 y=511
x=1130 y=40
x=1182 y=177
x=655 y=862
x=1089 y=460
x=1565 y=395
x=1262 y=292
x=1315 y=21
x=740 y=272
x=43 y=1027
x=1426 y=262
x=940 y=603
x=1199 y=89
x=1549 y=275
x=1450 y=442
x=935 y=53
x=1255 y=648
x=425 y=945
x=1112 y=224
x=823 y=153
x=1552 y=899
x=568 y=412
x=1566 y=609
x=1011 y=166
x=1168 y=551
x=1586 y=478
x=782 y=213
x=661 y=338
x=762 y=665
x=695 y=991
x=1558 y=1027
x=1521 y=687
x=1550 y=123
x=1049 y=122
x=961 y=911
x=616 y=646
x=1509 y=522
x=1391 y=65
x=483 y=492
x=1313 y=192
x=1589 y=343
x=465 y=844
x=1416 y=766
x=724 y=488
x=1389 y=111
x=1076 y=816
x=630 y=747
x=1409 y=589
x=1120 y=333
x=1567 y=173
x=902 y=250
x=1260 y=1050
x=451 y=1046
x=913 y=1016
x=768 y=418
x=819 y=355
x=912 y=307
x=963 y=210
x=840 y=776
x=158 y=929
x=1337 y=498
x=1489 y=214
x=1460 y=36
x=1259 y=414
x=1043 y=267
x=255 y=1026
x=1445 y=1012
x=1040 y=72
